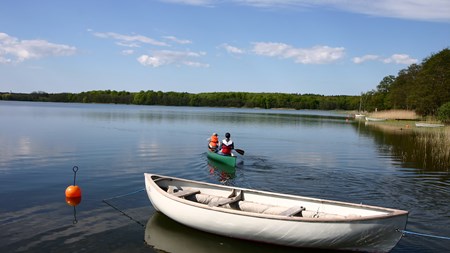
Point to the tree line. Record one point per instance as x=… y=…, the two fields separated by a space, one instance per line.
x=211 y=99
x=421 y=87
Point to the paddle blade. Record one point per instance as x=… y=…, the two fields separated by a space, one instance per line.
x=240 y=151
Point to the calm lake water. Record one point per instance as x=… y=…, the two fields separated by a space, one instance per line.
x=311 y=153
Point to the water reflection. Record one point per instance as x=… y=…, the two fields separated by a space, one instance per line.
x=161 y=114
x=292 y=152
x=222 y=172
x=411 y=148
x=164 y=234
x=74 y=201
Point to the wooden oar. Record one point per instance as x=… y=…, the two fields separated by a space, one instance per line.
x=240 y=151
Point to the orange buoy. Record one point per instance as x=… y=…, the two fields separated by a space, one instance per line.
x=73 y=201
x=73 y=191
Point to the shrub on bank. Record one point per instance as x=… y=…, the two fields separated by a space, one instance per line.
x=443 y=113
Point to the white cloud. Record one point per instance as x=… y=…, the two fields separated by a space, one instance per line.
x=167 y=57
x=129 y=40
x=124 y=44
x=13 y=50
x=400 y=59
x=431 y=10
x=395 y=58
x=369 y=57
x=176 y=40
x=192 y=2
x=314 y=55
x=127 y=52
x=232 y=49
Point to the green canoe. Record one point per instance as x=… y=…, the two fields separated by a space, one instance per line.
x=225 y=159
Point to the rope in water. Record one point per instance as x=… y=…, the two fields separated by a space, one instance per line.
x=404 y=232
x=125 y=214
x=126 y=194
x=122 y=212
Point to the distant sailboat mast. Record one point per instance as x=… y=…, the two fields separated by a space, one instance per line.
x=359 y=114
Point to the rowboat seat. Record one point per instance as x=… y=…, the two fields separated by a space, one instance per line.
x=216 y=201
x=231 y=199
x=185 y=193
x=293 y=211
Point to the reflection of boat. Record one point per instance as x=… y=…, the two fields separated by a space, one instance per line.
x=225 y=159
x=276 y=218
x=223 y=171
x=162 y=233
x=167 y=235
x=421 y=124
x=374 y=119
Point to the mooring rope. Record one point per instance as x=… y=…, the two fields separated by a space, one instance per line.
x=421 y=234
x=122 y=212
x=126 y=194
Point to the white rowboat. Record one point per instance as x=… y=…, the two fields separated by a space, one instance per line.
x=276 y=218
x=420 y=124
x=374 y=119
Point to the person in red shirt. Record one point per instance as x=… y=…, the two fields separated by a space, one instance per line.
x=226 y=145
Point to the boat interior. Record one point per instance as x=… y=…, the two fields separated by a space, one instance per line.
x=235 y=199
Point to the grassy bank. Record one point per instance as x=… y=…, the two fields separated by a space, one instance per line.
x=436 y=146
x=431 y=145
x=395 y=114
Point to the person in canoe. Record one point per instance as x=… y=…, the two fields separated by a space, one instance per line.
x=213 y=142
x=226 y=145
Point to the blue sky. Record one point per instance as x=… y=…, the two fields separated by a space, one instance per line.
x=329 y=47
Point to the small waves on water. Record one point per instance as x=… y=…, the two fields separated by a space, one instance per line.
x=424 y=195
x=312 y=157
x=303 y=179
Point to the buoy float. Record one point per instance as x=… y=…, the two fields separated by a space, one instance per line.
x=73 y=191
x=73 y=201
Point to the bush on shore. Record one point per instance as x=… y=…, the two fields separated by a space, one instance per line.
x=443 y=113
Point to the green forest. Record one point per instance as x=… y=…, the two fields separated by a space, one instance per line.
x=423 y=88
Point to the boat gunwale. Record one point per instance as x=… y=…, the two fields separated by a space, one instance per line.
x=226 y=156
x=391 y=212
x=212 y=155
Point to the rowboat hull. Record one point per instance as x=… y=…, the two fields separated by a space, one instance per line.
x=431 y=125
x=324 y=224
x=227 y=160
x=374 y=119
x=166 y=235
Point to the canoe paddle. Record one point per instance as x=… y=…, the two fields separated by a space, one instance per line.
x=240 y=151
